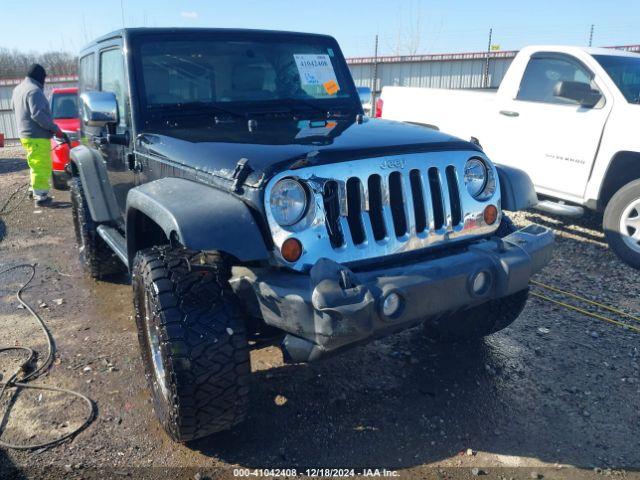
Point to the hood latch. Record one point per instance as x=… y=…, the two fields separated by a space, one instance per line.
x=240 y=174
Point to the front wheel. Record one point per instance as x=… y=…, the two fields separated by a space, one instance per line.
x=621 y=223
x=193 y=341
x=59 y=180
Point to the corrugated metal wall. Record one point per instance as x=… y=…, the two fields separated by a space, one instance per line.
x=459 y=70
x=433 y=74
x=7 y=121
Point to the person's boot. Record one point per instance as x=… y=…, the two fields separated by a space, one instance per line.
x=41 y=199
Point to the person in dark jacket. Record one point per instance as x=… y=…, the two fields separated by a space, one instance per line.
x=35 y=128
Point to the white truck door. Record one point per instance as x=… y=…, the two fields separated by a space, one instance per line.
x=553 y=139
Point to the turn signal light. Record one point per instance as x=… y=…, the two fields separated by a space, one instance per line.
x=291 y=250
x=490 y=214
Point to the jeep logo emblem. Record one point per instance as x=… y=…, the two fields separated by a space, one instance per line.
x=391 y=163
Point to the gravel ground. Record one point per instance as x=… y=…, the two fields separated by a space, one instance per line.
x=556 y=395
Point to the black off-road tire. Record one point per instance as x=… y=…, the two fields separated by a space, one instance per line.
x=484 y=319
x=97 y=259
x=621 y=204
x=184 y=303
x=59 y=182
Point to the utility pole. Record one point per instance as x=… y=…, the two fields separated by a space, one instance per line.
x=122 y=12
x=486 y=66
x=591 y=35
x=374 y=80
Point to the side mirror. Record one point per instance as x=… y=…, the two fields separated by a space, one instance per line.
x=99 y=109
x=365 y=95
x=579 y=92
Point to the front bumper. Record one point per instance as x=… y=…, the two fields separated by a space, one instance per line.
x=333 y=307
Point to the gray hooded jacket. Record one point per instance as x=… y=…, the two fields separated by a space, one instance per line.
x=33 y=114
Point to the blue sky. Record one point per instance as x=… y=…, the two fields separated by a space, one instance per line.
x=404 y=26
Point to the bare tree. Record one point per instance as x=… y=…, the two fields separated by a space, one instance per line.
x=408 y=36
x=14 y=63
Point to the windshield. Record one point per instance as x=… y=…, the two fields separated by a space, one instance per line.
x=625 y=72
x=64 y=105
x=240 y=71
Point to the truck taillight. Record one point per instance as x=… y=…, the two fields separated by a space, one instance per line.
x=379 y=105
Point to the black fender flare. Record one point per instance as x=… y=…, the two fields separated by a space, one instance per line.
x=516 y=189
x=101 y=200
x=200 y=217
x=623 y=168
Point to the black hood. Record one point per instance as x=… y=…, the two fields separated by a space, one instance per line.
x=274 y=146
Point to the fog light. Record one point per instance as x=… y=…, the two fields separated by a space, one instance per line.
x=291 y=250
x=490 y=214
x=480 y=283
x=391 y=304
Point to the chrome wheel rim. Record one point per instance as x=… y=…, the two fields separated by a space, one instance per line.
x=153 y=337
x=630 y=225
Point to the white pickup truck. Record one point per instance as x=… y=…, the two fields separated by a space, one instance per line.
x=568 y=116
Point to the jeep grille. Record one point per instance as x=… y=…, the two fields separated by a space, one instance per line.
x=369 y=208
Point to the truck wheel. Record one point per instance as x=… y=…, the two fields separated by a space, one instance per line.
x=193 y=341
x=96 y=257
x=59 y=181
x=484 y=319
x=621 y=223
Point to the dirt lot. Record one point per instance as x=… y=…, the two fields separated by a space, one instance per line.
x=555 y=395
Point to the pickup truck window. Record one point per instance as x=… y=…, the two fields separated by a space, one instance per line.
x=625 y=73
x=543 y=74
x=242 y=73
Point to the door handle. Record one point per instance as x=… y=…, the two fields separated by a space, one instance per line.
x=509 y=113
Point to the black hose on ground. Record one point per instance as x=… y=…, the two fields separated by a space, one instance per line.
x=4 y=209
x=29 y=371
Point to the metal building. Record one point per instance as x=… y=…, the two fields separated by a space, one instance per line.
x=448 y=70
x=454 y=70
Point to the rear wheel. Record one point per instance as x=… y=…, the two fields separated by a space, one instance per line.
x=621 y=223
x=96 y=257
x=484 y=319
x=59 y=180
x=193 y=341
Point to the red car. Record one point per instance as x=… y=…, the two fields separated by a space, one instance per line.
x=64 y=106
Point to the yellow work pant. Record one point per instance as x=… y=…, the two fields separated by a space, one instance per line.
x=39 y=160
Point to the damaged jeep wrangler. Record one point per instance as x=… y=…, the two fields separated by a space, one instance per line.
x=235 y=176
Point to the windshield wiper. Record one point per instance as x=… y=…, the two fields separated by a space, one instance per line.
x=190 y=108
x=325 y=112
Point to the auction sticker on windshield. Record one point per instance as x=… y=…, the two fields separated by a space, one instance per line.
x=316 y=69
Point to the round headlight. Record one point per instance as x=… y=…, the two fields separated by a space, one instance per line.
x=288 y=202
x=475 y=176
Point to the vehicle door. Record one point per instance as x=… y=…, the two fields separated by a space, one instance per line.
x=112 y=78
x=553 y=139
